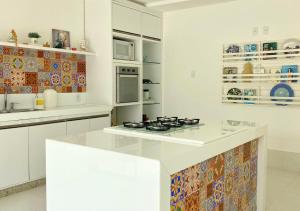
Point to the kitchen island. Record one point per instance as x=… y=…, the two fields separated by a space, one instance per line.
x=219 y=165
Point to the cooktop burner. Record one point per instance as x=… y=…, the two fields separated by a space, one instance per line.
x=134 y=124
x=157 y=127
x=162 y=123
x=189 y=121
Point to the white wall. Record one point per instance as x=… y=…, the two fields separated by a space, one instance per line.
x=42 y=16
x=193 y=40
x=99 y=34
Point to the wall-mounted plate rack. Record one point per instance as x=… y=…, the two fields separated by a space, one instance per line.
x=254 y=71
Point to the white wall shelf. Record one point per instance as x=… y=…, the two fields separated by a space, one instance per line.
x=267 y=73
x=154 y=83
x=150 y=102
x=117 y=61
x=37 y=47
x=127 y=104
x=151 y=63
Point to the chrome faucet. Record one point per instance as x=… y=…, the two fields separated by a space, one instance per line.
x=5 y=109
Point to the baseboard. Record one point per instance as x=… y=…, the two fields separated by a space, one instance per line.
x=22 y=187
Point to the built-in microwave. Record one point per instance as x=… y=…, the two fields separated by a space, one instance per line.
x=124 y=50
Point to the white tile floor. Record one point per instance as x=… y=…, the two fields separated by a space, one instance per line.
x=31 y=200
x=283 y=189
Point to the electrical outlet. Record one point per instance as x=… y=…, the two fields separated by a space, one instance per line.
x=193 y=74
x=266 y=30
x=255 y=31
x=78 y=98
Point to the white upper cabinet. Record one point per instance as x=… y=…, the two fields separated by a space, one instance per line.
x=151 y=26
x=37 y=148
x=126 y=19
x=13 y=157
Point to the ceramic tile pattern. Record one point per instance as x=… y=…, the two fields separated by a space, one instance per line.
x=33 y=71
x=227 y=182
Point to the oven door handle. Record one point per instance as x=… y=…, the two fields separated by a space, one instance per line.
x=128 y=76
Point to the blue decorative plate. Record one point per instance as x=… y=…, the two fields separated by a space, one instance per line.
x=282 y=90
x=250 y=48
x=290 y=69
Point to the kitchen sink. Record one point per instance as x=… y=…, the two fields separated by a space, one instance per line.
x=18 y=111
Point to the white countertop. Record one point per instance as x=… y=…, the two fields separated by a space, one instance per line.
x=197 y=135
x=194 y=145
x=53 y=114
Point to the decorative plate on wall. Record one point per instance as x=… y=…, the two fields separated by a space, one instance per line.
x=290 y=69
x=233 y=49
x=250 y=48
x=235 y=91
x=282 y=90
x=248 y=69
x=291 y=44
x=251 y=93
x=230 y=71
x=270 y=46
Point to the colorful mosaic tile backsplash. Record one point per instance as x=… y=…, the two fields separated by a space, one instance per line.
x=33 y=71
x=227 y=182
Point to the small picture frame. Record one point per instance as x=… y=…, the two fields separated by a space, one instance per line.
x=61 y=39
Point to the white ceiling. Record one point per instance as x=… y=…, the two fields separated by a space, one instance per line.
x=169 y=5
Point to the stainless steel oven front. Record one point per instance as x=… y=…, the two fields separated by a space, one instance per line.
x=127 y=84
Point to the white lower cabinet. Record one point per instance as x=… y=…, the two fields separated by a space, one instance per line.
x=99 y=123
x=37 y=150
x=78 y=126
x=23 y=151
x=13 y=157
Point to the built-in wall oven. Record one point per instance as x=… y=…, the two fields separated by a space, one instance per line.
x=127 y=84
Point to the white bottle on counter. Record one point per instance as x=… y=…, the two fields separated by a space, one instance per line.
x=50 y=96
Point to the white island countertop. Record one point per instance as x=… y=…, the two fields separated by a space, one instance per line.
x=58 y=113
x=197 y=135
x=195 y=144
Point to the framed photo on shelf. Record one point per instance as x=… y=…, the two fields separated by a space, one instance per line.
x=61 y=39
